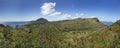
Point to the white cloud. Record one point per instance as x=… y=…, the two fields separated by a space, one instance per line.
x=92 y=17
x=55 y=14
x=80 y=14
x=48 y=9
x=66 y=16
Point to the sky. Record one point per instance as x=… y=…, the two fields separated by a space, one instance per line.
x=53 y=10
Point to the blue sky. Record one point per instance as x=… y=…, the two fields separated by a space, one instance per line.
x=27 y=10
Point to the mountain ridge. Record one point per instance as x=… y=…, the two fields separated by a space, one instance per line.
x=13 y=23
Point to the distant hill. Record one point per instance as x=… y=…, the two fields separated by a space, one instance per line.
x=40 y=21
x=82 y=24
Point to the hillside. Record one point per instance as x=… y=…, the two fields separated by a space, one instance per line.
x=116 y=28
x=75 y=33
x=86 y=24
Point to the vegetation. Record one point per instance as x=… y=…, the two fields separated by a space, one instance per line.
x=76 y=33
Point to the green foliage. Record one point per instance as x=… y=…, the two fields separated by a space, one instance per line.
x=76 y=33
x=116 y=28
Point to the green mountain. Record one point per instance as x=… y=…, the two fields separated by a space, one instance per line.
x=74 y=33
x=86 y=24
x=80 y=24
x=39 y=21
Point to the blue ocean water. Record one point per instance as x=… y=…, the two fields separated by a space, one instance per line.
x=13 y=24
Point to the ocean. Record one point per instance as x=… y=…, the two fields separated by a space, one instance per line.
x=13 y=24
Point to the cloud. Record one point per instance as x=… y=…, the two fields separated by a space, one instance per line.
x=55 y=14
x=66 y=16
x=92 y=17
x=49 y=10
x=80 y=14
